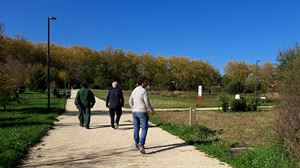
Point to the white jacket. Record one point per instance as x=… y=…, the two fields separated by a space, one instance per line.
x=139 y=100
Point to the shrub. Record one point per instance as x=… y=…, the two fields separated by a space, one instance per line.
x=252 y=106
x=288 y=123
x=224 y=102
x=239 y=105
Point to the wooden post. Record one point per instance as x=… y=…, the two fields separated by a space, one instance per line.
x=192 y=116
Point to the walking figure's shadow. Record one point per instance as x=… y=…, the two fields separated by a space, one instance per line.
x=166 y=147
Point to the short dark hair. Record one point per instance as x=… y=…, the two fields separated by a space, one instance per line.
x=142 y=79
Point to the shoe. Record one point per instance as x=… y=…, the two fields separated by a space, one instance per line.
x=141 y=148
x=116 y=126
x=87 y=127
x=81 y=125
x=135 y=146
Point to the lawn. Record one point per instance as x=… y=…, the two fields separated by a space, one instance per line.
x=217 y=132
x=23 y=125
x=166 y=101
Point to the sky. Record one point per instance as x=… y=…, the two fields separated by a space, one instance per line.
x=216 y=31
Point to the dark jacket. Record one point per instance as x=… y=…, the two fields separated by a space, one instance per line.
x=85 y=98
x=115 y=98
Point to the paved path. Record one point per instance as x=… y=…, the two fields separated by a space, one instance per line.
x=69 y=145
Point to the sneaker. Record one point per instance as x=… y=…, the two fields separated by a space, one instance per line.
x=136 y=146
x=141 y=148
x=116 y=126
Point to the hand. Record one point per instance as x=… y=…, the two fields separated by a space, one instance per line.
x=152 y=111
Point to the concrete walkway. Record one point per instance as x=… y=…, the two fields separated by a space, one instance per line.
x=69 y=145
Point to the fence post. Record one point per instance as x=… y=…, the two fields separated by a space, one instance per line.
x=192 y=116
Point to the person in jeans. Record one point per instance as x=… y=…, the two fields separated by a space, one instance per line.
x=115 y=102
x=140 y=104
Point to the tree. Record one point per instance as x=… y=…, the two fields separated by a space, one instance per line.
x=250 y=83
x=268 y=76
x=288 y=122
x=6 y=87
x=2 y=43
x=235 y=87
x=17 y=73
x=10 y=79
x=37 y=78
x=237 y=70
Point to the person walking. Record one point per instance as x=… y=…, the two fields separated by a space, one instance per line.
x=115 y=102
x=85 y=100
x=140 y=104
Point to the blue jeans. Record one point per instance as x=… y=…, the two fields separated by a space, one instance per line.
x=140 y=119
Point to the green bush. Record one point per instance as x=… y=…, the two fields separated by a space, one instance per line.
x=235 y=87
x=252 y=106
x=239 y=105
x=224 y=102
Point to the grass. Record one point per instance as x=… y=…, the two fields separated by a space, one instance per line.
x=23 y=125
x=164 y=101
x=216 y=133
x=245 y=128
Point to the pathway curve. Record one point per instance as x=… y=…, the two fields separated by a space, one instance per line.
x=68 y=145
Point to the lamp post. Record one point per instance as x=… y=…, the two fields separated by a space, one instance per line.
x=48 y=61
x=255 y=87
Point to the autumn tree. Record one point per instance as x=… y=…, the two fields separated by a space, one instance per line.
x=237 y=70
x=288 y=122
x=37 y=77
x=7 y=86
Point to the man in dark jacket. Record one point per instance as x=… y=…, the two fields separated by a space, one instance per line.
x=84 y=101
x=115 y=102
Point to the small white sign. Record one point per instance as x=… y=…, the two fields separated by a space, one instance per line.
x=199 y=91
x=263 y=98
x=237 y=97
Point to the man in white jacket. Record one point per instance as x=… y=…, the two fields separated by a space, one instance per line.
x=140 y=104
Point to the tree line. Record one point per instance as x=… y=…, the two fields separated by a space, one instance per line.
x=99 y=68
x=74 y=64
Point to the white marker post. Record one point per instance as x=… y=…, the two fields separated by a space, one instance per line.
x=199 y=95
x=192 y=116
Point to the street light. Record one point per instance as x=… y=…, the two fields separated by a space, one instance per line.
x=48 y=62
x=255 y=88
